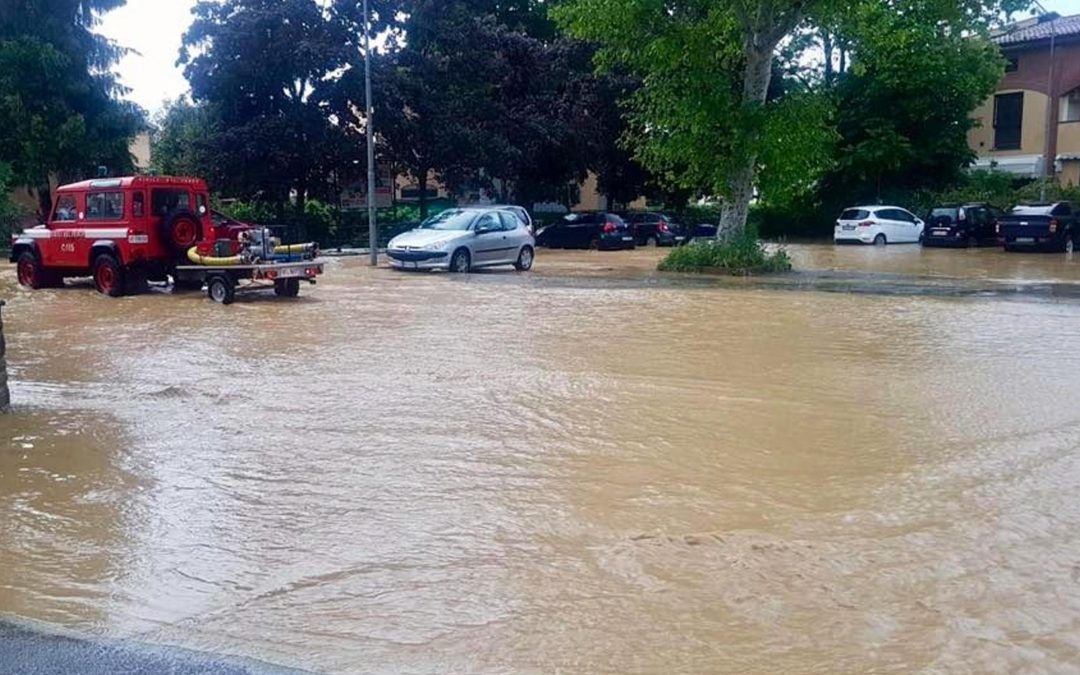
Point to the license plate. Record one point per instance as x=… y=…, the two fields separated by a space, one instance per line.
x=628 y=239
x=290 y=273
x=1025 y=240
x=940 y=233
x=680 y=238
x=849 y=227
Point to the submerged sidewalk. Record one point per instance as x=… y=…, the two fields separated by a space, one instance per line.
x=28 y=651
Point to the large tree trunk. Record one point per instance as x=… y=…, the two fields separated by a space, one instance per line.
x=756 y=75
x=44 y=198
x=827 y=47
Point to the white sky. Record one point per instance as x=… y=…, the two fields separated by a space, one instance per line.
x=153 y=29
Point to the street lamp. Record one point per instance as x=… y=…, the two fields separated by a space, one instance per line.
x=373 y=230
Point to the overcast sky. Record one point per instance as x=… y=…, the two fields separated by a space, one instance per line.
x=153 y=29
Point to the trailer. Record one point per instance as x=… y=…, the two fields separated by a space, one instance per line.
x=223 y=282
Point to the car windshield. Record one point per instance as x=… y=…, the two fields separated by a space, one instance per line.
x=945 y=212
x=1033 y=210
x=449 y=220
x=855 y=214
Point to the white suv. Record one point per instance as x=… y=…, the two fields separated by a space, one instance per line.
x=878 y=225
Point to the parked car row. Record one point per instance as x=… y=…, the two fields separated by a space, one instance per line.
x=602 y=230
x=1051 y=226
x=462 y=239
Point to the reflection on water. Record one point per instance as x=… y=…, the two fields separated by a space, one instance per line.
x=426 y=474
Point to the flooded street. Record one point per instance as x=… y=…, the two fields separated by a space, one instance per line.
x=506 y=473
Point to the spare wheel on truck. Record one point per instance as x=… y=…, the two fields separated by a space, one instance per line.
x=180 y=230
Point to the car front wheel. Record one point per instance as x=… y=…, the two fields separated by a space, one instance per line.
x=460 y=262
x=525 y=260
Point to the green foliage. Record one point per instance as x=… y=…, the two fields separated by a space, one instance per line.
x=249 y=212
x=992 y=187
x=485 y=96
x=741 y=255
x=895 y=112
x=184 y=142
x=11 y=216
x=59 y=111
x=325 y=223
x=903 y=110
x=263 y=77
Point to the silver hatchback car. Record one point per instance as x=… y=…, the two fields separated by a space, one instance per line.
x=463 y=239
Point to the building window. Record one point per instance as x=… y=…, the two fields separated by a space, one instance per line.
x=1012 y=64
x=1008 y=121
x=1070 y=106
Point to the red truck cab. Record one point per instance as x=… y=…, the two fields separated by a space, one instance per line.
x=122 y=231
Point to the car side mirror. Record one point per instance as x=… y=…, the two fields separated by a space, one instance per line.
x=484 y=229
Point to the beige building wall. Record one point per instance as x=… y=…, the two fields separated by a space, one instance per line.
x=1070 y=173
x=1069 y=138
x=1033 y=134
x=592 y=200
x=140 y=151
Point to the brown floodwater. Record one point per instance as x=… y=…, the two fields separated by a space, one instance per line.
x=539 y=473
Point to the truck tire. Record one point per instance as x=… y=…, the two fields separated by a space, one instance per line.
x=32 y=274
x=287 y=288
x=109 y=277
x=180 y=231
x=221 y=289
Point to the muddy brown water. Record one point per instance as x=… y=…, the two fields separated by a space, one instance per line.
x=417 y=473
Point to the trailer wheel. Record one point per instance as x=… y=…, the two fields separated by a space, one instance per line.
x=109 y=276
x=287 y=288
x=221 y=289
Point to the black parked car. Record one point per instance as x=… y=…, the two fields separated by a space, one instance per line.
x=961 y=225
x=1041 y=227
x=655 y=229
x=703 y=231
x=591 y=229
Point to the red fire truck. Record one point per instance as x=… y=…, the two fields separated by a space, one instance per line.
x=125 y=232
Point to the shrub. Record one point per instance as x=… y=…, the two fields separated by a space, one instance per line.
x=11 y=215
x=742 y=255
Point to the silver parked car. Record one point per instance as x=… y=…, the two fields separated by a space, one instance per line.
x=463 y=239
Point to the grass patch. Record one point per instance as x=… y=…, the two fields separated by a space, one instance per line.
x=742 y=255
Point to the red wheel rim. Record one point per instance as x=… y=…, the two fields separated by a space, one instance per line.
x=26 y=273
x=184 y=233
x=105 y=278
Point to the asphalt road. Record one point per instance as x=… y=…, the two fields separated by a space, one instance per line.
x=24 y=651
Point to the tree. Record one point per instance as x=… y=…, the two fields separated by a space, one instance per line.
x=486 y=94
x=59 y=108
x=184 y=141
x=901 y=109
x=707 y=67
x=268 y=72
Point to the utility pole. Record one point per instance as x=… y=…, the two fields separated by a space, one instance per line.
x=373 y=229
x=1052 y=101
